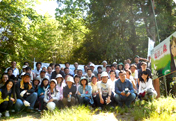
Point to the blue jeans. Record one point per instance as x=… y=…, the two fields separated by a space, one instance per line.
x=31 y=99
x=83 y=100
x=123 y=99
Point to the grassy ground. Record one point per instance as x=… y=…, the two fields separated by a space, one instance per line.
x=163 y=109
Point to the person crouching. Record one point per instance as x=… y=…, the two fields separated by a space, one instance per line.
x=52 y=96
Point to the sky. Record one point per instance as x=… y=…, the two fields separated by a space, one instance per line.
x=46 y=6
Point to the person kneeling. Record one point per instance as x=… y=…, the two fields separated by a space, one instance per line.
x=25 y=94
x=52 y=96
x=69 y=93
x=146 y=89
x=124 y=90
x=105 y=94
x=84 y=92
x=6 y=100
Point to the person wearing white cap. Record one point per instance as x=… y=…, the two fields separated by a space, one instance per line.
x=60 y=85
x=69 y=93
x=92 y=67
x=104 y=65
x=85 y=92
x=52 y=96
x=105 y=94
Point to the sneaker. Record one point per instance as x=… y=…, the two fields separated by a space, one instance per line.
x=7 y=114
x=13 y=111
x=0 y=115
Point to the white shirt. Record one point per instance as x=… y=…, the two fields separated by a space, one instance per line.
x=112 y=84
x=42 y=78
x=143 y=86
x=15 y=71
x=103 y=68
x=104 y=88
x=36 y=72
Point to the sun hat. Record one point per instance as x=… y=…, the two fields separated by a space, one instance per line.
x=70 y=79
x=104 y=74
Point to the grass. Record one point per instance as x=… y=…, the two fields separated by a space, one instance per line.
x=163 y=109
x=77 y=113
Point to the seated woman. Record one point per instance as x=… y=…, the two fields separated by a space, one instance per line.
x=69 y=93
x=146 y=89
x=3 y=80
x=52 y=96
x=60 y=85
x=6 y=99
x=85 y=92
x=41 y=92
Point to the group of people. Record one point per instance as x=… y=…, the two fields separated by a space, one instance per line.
x=53 y=86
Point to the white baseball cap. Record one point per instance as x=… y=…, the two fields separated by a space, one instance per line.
x=115 y=63
x=53 y=80
x=24 y=66
x=104 y=61
x=104 y=73
x=92 y=64
x=59 y=75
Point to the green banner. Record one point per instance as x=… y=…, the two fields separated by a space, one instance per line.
x=163 y=58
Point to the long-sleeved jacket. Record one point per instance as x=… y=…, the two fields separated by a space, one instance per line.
x=54 y=96
x=120 y=86
x=20 y=86
x=66 y=91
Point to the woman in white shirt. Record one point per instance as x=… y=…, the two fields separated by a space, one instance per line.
x=146 y=89
x=52 y=96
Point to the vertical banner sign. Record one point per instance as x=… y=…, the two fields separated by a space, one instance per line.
x=150 y=46
x=163 y=58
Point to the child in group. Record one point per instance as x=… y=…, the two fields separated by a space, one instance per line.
x=146 y=89
x=6 y=99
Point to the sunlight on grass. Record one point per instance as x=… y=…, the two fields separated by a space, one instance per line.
x=161 y=109
x=77 y=113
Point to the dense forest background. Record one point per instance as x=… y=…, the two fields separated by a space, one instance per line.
x=82 y=30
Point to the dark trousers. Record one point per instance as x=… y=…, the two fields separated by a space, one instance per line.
x=104 y=98
x=41 y=102
x=7 y=105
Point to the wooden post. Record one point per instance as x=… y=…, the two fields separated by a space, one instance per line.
x=156 y=85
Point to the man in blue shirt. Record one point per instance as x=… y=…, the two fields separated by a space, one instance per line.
x=124 y=90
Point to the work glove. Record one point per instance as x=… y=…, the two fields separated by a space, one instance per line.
x=23 y=92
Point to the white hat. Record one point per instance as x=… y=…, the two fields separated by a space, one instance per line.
x=104 y=62
x=53 y=80
x=59 y=75
x=114 y=63
x=92 y=64
x=51 y=106
x=104 y=74
x=23 y=73
x=24 y=66
x=70 y=79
